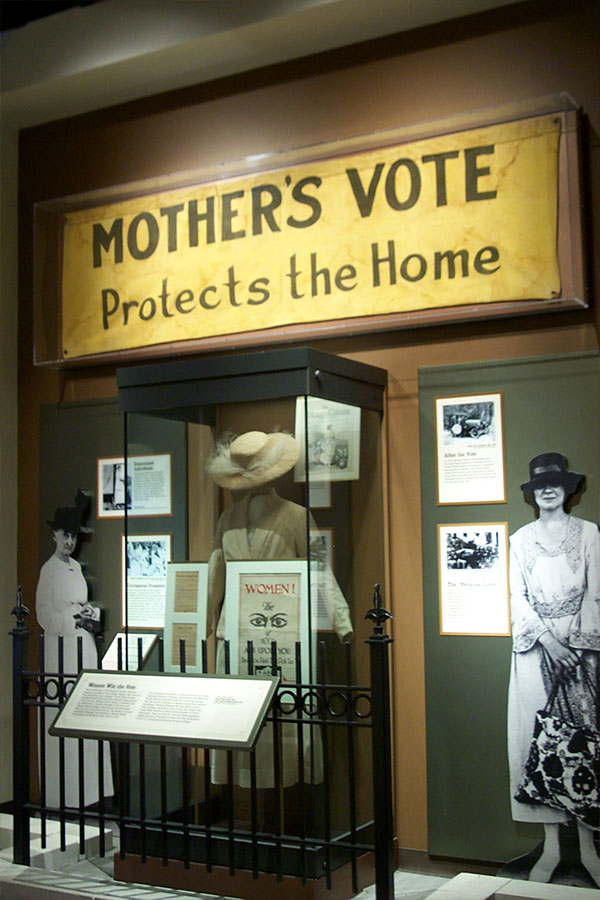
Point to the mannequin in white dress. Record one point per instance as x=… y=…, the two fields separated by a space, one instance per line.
x=261 y=525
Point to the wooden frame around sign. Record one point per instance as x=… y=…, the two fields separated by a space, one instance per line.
x=49 y=217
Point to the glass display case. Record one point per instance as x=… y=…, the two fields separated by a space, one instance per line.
x=254 y=536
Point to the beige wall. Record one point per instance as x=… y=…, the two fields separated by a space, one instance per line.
x=488 y=60
x=8 y=448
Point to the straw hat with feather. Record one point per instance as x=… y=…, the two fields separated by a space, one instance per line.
x=252 y=459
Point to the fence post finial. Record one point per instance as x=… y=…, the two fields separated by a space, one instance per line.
x=378 y=614
x=20 y=610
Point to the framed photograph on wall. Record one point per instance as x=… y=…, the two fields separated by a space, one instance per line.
x=470 y=449
x=144 y=579
x=185 y=614
x=333 y=440
x=473 y=578
x=267 y=601
x=144 y=490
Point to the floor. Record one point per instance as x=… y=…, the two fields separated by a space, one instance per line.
x=88 y=881
x=56 y=874
x=407 y=885
x=70 y=875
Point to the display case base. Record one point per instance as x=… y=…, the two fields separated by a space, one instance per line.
x=242 y=883
x=237 y=850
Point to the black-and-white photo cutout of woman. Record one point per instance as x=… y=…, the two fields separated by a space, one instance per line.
x=555 y=609
x=63 y=610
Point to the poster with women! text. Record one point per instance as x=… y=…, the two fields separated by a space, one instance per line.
x=267 y=603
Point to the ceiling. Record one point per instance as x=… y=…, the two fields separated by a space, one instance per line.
x=61 y=59
x=16 y=13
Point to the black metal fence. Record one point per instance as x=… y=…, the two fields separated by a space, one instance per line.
x=166 y=803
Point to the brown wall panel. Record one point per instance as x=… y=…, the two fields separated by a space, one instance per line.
x=515 y=54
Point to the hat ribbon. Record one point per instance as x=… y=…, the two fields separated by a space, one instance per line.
x=542 y=470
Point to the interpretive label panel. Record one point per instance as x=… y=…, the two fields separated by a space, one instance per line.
x=470 y=449
x=473 y=573
x=144 y=560
x=224 y=711
x=185 y=615
x=144 y=490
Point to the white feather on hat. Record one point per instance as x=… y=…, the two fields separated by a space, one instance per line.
x=252 y=459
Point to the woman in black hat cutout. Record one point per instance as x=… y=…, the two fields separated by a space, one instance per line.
x=555 y=609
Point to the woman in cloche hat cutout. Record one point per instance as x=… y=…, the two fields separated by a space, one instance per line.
x=555 y=608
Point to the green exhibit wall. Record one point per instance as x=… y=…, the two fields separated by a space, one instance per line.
x=73 y=437
x=549 y=403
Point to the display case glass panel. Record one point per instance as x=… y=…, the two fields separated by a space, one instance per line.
x=255 y=519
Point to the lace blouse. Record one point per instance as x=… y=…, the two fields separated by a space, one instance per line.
x=556 y=588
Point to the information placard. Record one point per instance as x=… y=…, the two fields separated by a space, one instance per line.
x=470 y=449
x=144 y=561
x=185 y=614
x=225 y=711
x=473 y=573
x=145 y=489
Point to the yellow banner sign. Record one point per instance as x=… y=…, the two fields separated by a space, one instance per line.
x=465 y=218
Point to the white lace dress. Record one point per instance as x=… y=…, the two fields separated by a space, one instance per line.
x=61 y=593
x=552 y=589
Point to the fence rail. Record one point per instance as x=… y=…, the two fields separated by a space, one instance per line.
x=167 y=803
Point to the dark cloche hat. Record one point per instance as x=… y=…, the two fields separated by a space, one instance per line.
x=551 y=468
x=71 y=518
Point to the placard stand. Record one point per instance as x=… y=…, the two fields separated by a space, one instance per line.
x=224 y=711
